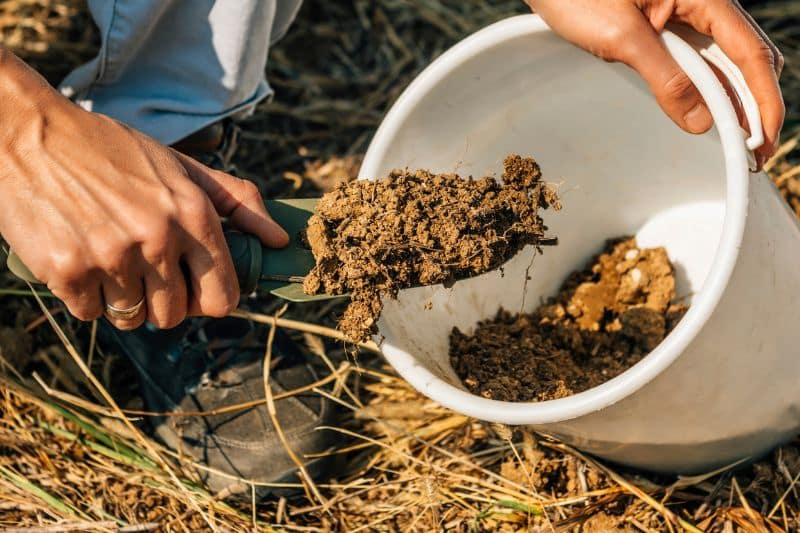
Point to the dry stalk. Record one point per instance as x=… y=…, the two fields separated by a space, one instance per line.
x=273 y=414
x=301 y=326
x=143 y=441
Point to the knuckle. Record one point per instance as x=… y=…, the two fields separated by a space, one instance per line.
x=762 y=53
x=200 y=219
x=249 y=190
x=167 y=321
x=222 y=307
x=113 y=256
x=67 y=267
x=174 y=321
x=80 y=314
x=779 y=61
x=678 y=86
x=167 y=202
x=158 y=238
x=155 y=253
x=614 y=41
x=84 y=313
x=127 y=325
x=248 y=193
x=157 y=320
x=167 y=317
x=79 y=306
x=781 y=110
x=229 y=306
x=196 y=208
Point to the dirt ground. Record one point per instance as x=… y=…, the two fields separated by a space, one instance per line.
x=71 y=461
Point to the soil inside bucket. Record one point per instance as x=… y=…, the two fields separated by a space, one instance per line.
x=604 y=319
x=373 y=238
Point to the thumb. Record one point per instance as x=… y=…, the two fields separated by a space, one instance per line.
x=674 y=91
x=237 y=199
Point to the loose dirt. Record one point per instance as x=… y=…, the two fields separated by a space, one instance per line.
x=604 y=319
x=373 y=238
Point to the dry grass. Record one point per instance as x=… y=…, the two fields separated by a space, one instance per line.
x=70 y=462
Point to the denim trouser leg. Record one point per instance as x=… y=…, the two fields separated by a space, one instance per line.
x=170 y=67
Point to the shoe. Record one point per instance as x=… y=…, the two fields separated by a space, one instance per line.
x=204 y=365
x=214 y=145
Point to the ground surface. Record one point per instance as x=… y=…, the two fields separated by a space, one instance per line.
x=68 y=462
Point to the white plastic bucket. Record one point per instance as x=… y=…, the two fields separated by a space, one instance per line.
x=725 y=384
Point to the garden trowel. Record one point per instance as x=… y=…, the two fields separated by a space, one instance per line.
x=279 y=271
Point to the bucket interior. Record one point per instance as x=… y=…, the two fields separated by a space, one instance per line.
x=623 y=168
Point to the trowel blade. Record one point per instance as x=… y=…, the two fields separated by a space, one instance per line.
x=296 y=260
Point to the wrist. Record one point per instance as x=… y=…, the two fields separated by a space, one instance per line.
x=23 y=93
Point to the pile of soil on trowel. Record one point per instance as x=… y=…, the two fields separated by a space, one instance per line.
x=373 y=238
x=604 y=319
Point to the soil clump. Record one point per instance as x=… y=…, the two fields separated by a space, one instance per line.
x=373 y=238
x=604 y=319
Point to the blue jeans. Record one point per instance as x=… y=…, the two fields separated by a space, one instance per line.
x=171 y=67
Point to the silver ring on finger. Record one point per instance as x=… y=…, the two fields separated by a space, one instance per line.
x=127 y=313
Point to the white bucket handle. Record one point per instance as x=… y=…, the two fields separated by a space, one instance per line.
x=711 y=52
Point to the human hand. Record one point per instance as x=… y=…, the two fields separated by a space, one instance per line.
x=627 y=31
x=103 y=214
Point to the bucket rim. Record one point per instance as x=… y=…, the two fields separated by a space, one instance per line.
x=704 y=303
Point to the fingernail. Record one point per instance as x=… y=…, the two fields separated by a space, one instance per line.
x=698 y=119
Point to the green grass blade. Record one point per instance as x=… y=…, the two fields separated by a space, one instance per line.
x=35 y=490
x=109 y=441
x=126 y=458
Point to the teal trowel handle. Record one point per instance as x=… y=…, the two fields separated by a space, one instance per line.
x=248 y=256
x=246 y=252
x=279 y=272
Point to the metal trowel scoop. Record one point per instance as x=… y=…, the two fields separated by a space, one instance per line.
x=279 y=271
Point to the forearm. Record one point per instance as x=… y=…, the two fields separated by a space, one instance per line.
x=67 y=209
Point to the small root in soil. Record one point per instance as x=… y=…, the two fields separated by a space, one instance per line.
x=604 y=319
x=373 y=238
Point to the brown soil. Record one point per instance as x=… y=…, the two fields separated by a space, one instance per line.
x=603 y=320
x=373 y=238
